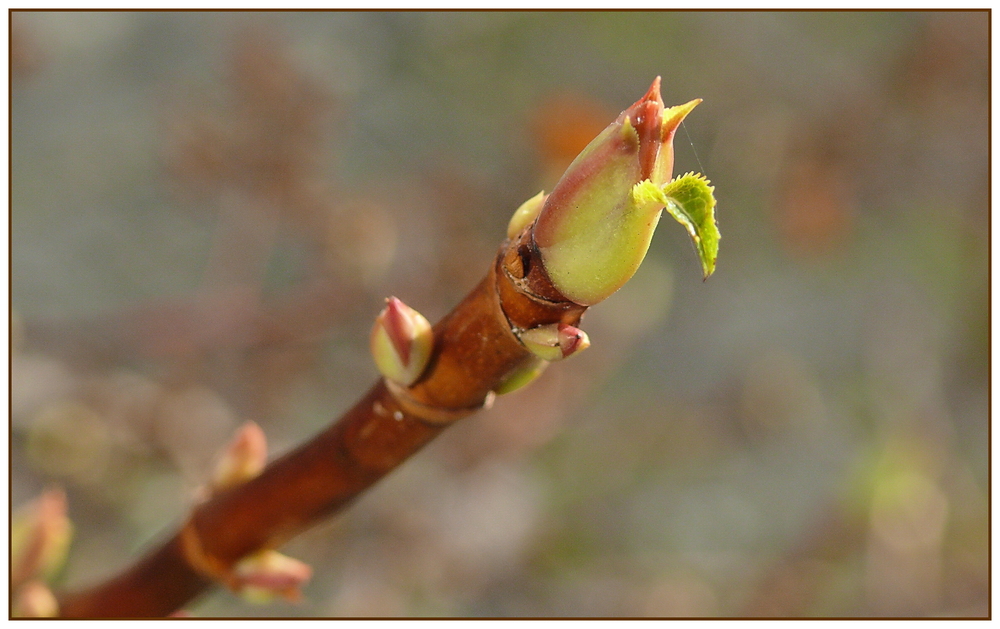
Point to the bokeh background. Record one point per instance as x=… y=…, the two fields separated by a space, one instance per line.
x=209 y=209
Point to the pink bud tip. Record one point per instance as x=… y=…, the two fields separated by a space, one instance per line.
x=399 y=325
x=572 y=340
x=646 y=115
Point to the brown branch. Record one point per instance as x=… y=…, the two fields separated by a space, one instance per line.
x=614 y=185
x=475 y=350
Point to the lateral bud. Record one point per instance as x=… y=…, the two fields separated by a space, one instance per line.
x=525 y=214
x=401 y=342
x=40 y=537
x=34 y=600
x=267 y=574
x=555 y=341
x=522 y=376
x=242 y=459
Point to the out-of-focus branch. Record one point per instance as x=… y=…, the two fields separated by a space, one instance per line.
x=475 y=350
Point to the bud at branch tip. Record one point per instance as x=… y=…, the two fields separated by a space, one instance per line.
x=595 y=227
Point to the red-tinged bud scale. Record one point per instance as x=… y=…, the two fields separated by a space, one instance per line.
x=572 y=340
x=401 y=342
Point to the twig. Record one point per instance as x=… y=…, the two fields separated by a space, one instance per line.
x=475 y=351
x=564 y=252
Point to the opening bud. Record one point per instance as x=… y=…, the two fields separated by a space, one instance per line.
x=593 y=230
x=401 y=342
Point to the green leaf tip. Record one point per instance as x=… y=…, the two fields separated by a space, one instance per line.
x=691 y=201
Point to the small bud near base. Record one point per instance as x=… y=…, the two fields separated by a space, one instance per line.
x=555 y=341
x=34 y=600
x=39 y=537
x=522 y=376
x=267 y=574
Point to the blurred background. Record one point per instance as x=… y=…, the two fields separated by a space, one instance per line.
x=210 y=208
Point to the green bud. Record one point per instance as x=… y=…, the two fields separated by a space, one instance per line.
x=523 y=376
x=525 y=214
x=401 y=342
x=596 y=225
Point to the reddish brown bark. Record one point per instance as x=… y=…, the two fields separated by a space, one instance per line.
x=475 y=350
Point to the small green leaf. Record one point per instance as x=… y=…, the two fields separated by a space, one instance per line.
x=691 y=201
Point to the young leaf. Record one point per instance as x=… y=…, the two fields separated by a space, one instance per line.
x=691 y=201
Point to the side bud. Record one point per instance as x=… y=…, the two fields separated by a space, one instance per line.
x=522 y=376
x=524 y=215
x=267 y=574
x=595 y=227
x=34 y=600
x=401 y=342
x=555 y=341
x=242 y=459
x=39 y=538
